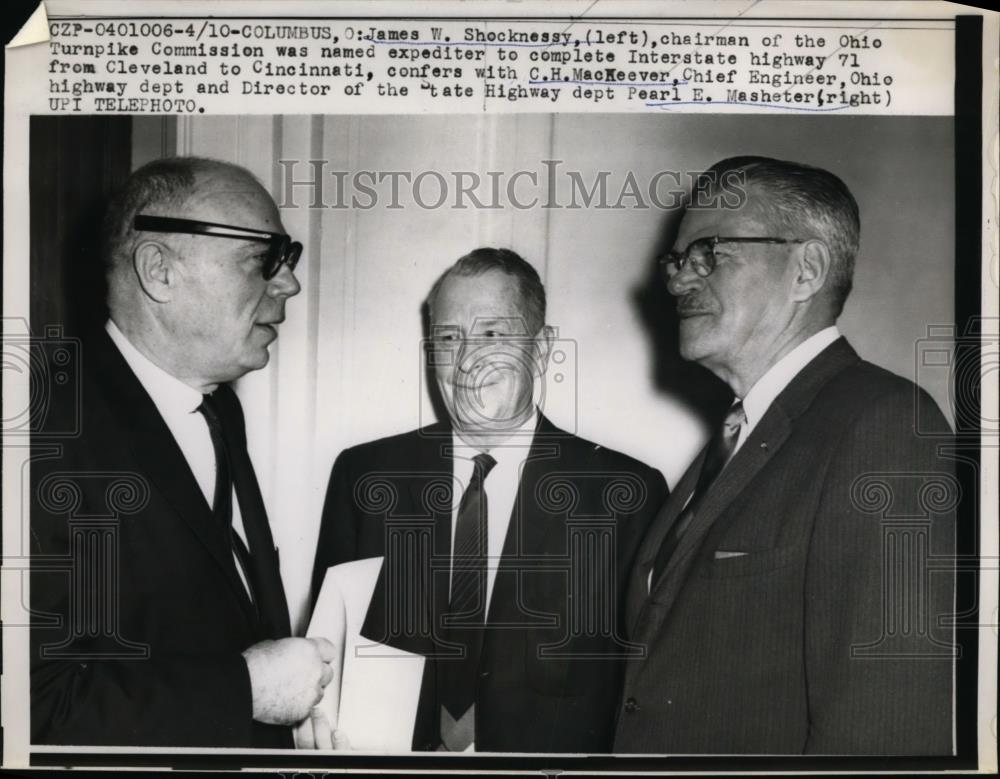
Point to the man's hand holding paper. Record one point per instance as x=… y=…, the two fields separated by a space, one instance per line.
x=287 y=677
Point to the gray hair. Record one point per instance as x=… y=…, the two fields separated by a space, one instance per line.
x=485 y=259
x=801 y=201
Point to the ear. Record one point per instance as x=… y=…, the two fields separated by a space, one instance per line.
x=543 y=348
x=811 y=270
x=154 y=270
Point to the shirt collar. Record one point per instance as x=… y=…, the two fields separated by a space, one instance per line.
x=170 y=395
x=513 y=449
x=780 y=375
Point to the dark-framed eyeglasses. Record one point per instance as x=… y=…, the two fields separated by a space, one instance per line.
x=281 y=249
x=700 y=254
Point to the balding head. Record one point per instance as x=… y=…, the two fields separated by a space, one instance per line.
x=202 y=306
x=166 y=187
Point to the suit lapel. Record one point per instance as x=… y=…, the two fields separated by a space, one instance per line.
x=158 y=457
x=740 y=471
x=529 y=529
x=766 y=440
x=437 y=459
x=638 y=590
x=430 y=455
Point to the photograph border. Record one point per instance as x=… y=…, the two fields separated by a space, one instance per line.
x=969 y=335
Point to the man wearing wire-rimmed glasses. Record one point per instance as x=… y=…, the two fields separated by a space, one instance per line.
x=785 y=609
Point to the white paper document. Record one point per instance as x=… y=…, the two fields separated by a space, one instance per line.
x=372 y=699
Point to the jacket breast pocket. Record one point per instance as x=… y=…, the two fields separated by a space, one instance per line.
x=721 y=564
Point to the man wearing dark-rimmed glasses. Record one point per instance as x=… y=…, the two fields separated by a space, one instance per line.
x=193 y=646
x=784 y=594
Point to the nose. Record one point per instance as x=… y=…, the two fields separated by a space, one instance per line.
x=473 y=358
x=462 y=365
x=684 y=281
x=283 y=284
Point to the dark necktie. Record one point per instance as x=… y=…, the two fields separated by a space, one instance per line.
x=466 y=615
x=259 y=562
x=720 y=449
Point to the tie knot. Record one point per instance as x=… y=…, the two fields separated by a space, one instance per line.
x=482 y=465
x=736 y=417
x=208 y=407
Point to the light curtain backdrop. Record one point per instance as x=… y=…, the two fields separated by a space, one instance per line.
x=346 y=367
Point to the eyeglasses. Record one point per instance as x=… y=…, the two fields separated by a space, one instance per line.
x=282 y=250
x=701 y=255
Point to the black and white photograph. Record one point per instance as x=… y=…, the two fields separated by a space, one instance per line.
x=604 y=440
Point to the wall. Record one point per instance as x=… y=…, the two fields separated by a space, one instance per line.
x=346 y=367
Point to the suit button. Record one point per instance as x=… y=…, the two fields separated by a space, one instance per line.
x=631 y=705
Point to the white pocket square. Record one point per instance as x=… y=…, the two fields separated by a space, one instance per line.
x=722 y=554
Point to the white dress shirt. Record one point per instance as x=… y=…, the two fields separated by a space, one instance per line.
x=178 y=405
x=501 y=485
x=762 y=394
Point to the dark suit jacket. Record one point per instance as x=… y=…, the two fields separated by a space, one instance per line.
x=552 y=651
x=824 y=637
x=139 y=616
